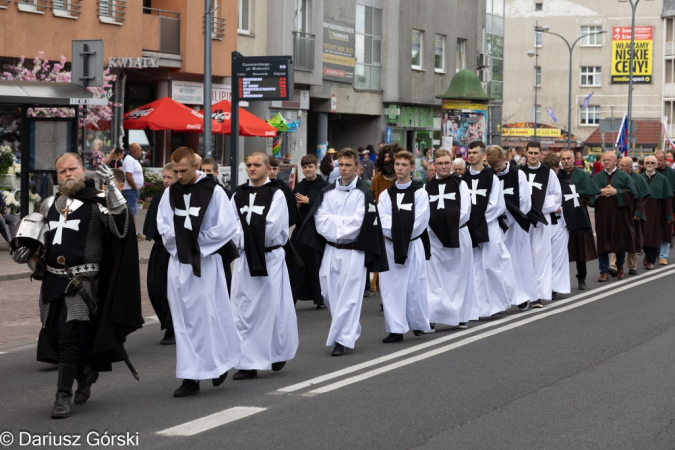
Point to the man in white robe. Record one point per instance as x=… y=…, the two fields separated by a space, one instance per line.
x=450 y=281
x=262 y=299
x=196 y=221
x=493 y=271
x=546 y=198
x=516 y=193
x=344 y=225
x=560 y=236
x=404 y=212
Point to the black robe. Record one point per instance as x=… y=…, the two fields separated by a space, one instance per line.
x=576 y=218
x=305 y=283
x=158 y=266
x=370 y=240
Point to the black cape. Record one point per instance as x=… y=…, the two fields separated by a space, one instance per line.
x=576 y=218
x=370 y=240
x=541 y=175
x=512 y=199
x=403 y=222
x=478 y=227
x=445 y=222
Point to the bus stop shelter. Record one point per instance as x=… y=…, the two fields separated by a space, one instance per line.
x=43 y=138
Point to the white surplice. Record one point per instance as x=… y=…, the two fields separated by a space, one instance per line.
x=263 y=306
x=207 y=341
x=517 y=242
x=560 y=257
x=342 y=274
x=450 y=284
x=493 y=270
x=540 y=239
x=404 y=286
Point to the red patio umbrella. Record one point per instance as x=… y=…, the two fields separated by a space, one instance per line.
x=167 y=114
x=249 y=124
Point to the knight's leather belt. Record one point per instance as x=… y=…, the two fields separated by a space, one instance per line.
x=350 y=246
x=83 y=268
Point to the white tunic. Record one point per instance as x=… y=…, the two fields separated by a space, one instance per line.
x=560 y=257
x=517 y=242
x=263 y=306
x=540 y=239
x=342 y=274
x=404 y=286
x=493 y=270
x=207 y=341
x=450 y=284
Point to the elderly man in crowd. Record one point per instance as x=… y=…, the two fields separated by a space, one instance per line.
x=614 y=212
x=664 y=169
x=459 y=166
x=658 y=210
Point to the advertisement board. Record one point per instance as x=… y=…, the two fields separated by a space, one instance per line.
x=338 y=51
x=461 y=124
x=643 y=57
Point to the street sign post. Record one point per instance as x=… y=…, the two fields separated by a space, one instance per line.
x=257 y=78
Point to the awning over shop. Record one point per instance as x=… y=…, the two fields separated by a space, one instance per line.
x=39 y=93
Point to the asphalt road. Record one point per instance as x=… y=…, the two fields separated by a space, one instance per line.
x=592 y=370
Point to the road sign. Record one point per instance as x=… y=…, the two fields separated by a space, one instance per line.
x=262 y=78
x=87 y=63
x=333 y=103
x=387 y=135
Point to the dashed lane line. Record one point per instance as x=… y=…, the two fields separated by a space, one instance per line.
x=209 y=422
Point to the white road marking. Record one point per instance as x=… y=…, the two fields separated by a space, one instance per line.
x=214 y=420
x=438 y=351
x=463 y=334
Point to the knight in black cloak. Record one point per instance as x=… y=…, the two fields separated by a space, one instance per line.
x=158 y=265
x=305 y=283
x=344 y=226
x=90 y=235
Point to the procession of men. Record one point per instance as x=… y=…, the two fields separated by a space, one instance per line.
x=226 y=270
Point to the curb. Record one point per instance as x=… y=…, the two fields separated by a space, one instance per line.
x=26 y=274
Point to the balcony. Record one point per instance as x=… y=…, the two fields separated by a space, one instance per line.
x=217 y=27
x=670 y=49
x=303 y=51
x=112 y=11
x=669 y=90
x=161 y=31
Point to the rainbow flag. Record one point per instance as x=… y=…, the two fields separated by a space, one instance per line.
x=276 y=145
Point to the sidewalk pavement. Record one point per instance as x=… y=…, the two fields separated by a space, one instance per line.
x=9 y=270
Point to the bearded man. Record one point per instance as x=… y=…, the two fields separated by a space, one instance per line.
x=90 y=298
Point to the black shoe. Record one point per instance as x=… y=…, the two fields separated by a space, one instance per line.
x=218 y=381
x=366 y=293
x=632 y=272
x=321 y=306
x=554 y=296
x=393 y=337
x=433 y=328
x=463 y=326
x=612 y=272
x=537 y=304
x=64 y=391
x=381 y=307
x=85 y=378
x=582 y=285
x=339 y=350
x=523 y=306
x=187 y=388
x=245 y=374
x=169 y=337
x=418 y=332
x=277 y=366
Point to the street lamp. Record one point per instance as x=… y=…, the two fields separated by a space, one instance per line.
x=534 y=53
x=545 y=29
x=630 y=74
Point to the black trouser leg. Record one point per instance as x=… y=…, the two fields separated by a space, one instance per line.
x=652 y=254
x=581 y=270
x=69 y=344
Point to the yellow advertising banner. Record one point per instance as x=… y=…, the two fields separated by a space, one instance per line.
x=525 y=132
x=454 y=104
x=642 y=58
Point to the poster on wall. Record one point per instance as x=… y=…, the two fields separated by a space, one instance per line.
x=461 y=124
x=642 y=60
x=338 y=51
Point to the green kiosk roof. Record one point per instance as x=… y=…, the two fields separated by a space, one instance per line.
x=465 y=85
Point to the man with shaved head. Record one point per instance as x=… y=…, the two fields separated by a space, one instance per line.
x=659 y=212
x=581 y=246
x=614 y=212
x=664 y=169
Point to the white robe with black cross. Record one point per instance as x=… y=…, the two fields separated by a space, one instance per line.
x=404 y=286
x=493 y=269
x=451 y=286
x=517 y=241
x=263 y=306
x=342 y=274
x=207 y=341
x=540 y=238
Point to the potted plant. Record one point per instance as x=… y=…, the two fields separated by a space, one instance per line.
x=152 y=185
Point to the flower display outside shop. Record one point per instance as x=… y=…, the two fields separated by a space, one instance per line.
x=13 y=205
x=152 y=185
x=7 y=160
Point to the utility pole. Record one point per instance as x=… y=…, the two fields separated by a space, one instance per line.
x=633 y=5
x=208 y=11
